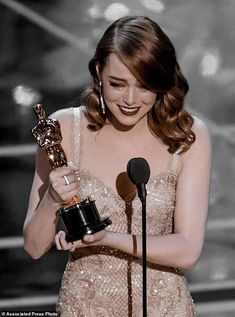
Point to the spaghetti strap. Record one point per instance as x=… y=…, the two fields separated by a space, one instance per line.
x=175 y=162
x=76 y=135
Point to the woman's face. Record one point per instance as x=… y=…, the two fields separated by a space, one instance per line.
x=127 y=100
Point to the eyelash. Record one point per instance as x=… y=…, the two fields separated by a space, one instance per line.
x=117 y=85
x=142 y=87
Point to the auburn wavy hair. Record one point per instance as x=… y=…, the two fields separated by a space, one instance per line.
x=148 y=53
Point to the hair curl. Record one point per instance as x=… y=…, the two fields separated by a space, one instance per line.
x=150 y=56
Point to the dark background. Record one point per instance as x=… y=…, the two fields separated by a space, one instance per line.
x=44 y=50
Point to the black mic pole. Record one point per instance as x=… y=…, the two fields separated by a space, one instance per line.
x=144 y=256
x=139 y=172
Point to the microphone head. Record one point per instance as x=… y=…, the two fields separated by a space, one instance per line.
x=138 y=170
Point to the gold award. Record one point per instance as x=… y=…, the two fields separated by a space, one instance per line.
x=79 y=217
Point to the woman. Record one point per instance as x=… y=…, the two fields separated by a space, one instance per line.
x=135 y=108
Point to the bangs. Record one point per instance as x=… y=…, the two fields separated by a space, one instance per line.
x=146 y=58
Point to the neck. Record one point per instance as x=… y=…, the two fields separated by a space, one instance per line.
x=140 y=128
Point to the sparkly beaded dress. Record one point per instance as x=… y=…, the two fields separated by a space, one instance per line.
x=104 y=282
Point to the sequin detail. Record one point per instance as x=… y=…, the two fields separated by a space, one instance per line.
x=105 y=282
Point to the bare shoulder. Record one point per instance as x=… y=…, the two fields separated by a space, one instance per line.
x=202 y=133
x=65 y=117
x=62 y=114
x=201 y=148
x=200 y=125
x=67 y=114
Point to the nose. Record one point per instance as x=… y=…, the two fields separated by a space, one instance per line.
x=130 y=96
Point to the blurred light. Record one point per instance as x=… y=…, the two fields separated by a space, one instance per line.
x=210 y=64
x=94 y=11
x=115 y=11
x=219 y=275
x=220 y=269
x=25 y=96
x=153 y=5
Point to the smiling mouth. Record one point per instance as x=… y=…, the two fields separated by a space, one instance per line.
x=128 y=111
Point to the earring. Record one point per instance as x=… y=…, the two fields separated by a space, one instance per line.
x=101 y=97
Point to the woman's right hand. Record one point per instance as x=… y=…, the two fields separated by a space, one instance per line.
x=98 y=238
x=63 y=184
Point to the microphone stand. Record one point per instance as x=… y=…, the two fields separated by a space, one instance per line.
x=139 y=171
x=144 y=257
x=142 y=193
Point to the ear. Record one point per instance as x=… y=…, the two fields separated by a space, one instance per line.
x=97 y=67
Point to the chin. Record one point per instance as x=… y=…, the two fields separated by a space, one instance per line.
x=126 y=123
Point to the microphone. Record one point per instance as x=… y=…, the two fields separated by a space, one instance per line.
x=138 y=171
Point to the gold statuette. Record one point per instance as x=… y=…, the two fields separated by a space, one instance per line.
x=79 y=218
x=48 y=136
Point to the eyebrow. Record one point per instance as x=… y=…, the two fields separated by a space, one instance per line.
x=117 y=78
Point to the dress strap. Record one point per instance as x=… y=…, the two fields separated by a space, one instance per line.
x=76 y=135
x=175 y=163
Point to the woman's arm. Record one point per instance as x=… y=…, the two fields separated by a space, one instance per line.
x=183 y=247
x=41 y=219
x=48 y=193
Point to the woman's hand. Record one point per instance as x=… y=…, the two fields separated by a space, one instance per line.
x=63 y=184
x=97 y=238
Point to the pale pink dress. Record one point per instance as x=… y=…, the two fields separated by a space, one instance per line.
x=104 y=282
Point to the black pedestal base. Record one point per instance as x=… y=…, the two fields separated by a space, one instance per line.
x=81 y=219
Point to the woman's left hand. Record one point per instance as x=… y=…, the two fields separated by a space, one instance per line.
x=88 y=240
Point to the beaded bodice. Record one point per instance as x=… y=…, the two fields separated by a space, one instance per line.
x=104 y=282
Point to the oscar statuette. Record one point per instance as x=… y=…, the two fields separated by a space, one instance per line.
x=79 y=217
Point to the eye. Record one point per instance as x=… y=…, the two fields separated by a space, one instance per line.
x=116 y=85
x=142 y=87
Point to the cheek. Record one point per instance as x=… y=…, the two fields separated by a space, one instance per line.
x=149 y=98
x=111 y=95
